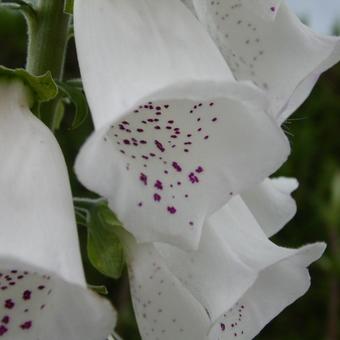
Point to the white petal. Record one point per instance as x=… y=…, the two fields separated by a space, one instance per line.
x=276 y=288
x=200 y=287
x=233 y=250
x=128 y=49
x=267 y=9
x=271 y=203
x=282 y=56
x=189 y=4
x=42 y=287
x=163 y=307
x=181 y=155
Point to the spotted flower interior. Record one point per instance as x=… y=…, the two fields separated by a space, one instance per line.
x=24 y=298
x=260 y=50
x=167 y=164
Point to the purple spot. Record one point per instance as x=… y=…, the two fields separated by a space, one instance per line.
x=143 y=178
x=159 y=185
x=273 y=8
x=206 y=137
x=199 y=170
x=41 y=287
x=143 y=142
x=176 y=166
x=193 y=178
x=26 y=325
x=222 y=327
x=214 y=119
x=170 y=121
x=26 y=295
x=172 y=210
x=126 y=142
x=140 y=204
x=5 y=319
x=157 y=197
x=140 y=130
x=166 y=106
x=159 y=146
x=9 y=304
x=3 y=330
x=211 y=104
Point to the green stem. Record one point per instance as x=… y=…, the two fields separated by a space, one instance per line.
x=48 y=37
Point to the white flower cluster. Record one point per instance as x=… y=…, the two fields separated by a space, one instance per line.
x=187 y=100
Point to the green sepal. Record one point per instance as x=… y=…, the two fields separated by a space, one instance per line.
x=104 y=247
x=76 y=96
x=68 y=6
x=43 y=87
x=101 y=290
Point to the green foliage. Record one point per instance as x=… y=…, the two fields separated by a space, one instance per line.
x=73 y=92
x=68 y=7
x=104 y=248
x=102 y=290
x=43 y=87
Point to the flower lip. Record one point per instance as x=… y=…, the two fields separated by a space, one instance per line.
x=182 y=164
x=34 y=301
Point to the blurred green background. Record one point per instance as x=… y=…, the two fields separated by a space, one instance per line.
x=314 y=132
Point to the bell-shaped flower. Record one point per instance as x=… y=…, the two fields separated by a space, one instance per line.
x=43 y=293
x=230 y=288
x=263 y=41
x=176 y=136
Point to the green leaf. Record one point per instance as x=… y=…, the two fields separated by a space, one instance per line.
x=43 y=87
x=102 y=290
x=76 y=96
x=68 y=7
x=104 y=248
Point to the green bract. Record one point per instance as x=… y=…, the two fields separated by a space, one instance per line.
x=43 y=87
x=104 y=248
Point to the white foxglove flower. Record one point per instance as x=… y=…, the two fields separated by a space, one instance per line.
x=230 y=288
x=176 y=136
x=43 y=293
x=274 y=50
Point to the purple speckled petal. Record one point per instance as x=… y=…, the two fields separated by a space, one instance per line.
x=192 y=174
x=43 y=292
x=282 y=56
x=253 y=280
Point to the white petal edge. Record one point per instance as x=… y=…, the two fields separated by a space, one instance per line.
x=271 y=203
